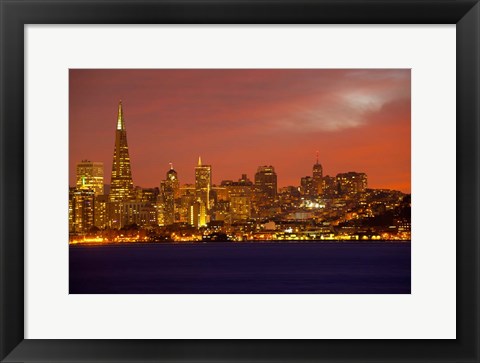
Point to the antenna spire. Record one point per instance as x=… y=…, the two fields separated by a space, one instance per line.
x=317 y=156
x=199 y=161
x=120 y=122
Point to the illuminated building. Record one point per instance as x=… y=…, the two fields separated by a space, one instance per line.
x=71 y=216
x=172 y=181
x=221 y=193
x=203 y=183
x=266 y=183
x=142 y=214
x=146 y=194
x=186 y=189
x=198 y=215
x=240 y=195
x=329 y=186
x=123 y=214
x=317 y=177
x=351 y=182
x=242 y=209
x=160 y=208
x=169 y=188
x=90 y=176
x=186 y=199
x=81 y=208
x=219 y=204
x=121 y=185
x=221 y=211
x=100 y=209
x=403 y=224
x=307 y=187
x=115 y=216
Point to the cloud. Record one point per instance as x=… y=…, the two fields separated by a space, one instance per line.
x=335 y=112
x=239 y=119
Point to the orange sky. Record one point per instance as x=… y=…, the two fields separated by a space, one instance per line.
x=358 y=120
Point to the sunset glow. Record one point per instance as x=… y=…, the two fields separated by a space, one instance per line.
x=237 y=120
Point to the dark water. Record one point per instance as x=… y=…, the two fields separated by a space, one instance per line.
x=241 y=268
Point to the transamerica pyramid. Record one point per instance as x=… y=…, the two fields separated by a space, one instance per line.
x=121 y=184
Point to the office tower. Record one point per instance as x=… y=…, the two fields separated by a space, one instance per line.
x=141 y=214
x=240 y=195
x=329 y=186
x=307 y=187
x=147 y=194
x=100 y=209
x=203 y=183
x=71 y=215
x=90 y=176
x=172 y=181
x=115 y=215
x=186 y=199
x=198 y=214
x=169 y=189
x=221 y=193
x=160 y=208
x=121 y=185
x=266 y=183
x=317 y=177
x=81 y=210
x=351 y=182
x=219 y=203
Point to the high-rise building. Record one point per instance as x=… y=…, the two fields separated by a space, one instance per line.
x=317 y=177
x=186 y=199
x=142 y=214
x=351 y=182
x=266 y=183
x=147 y=194
x=329 y=186
x=307 y=187
x=172 y=181
x=221 y=193
x=121 y=184
x=169 y=189
x=240 y=195
x=203 y=183
x=90 y=176
x=100 y=216
x=198 y=215
x=81 y=210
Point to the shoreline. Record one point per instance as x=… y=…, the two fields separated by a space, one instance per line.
x=202 y=243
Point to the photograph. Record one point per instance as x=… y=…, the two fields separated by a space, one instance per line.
x=232 y=181
x=239 y=181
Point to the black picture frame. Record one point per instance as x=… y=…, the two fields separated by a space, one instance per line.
x=15 y=14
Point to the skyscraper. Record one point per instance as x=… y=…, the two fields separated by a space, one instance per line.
x=90 y=176
x=266 y=183
x=203 y=183
x=169 y=190
x=81 y=210
x=351 y=182
x=317 y=177
x=121 y=185
x=198 y=215
x=240 y=196
x=307 y=187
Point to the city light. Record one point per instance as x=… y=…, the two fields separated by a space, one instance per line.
x=319 y=208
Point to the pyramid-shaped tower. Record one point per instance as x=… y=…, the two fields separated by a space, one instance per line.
x=121 y=184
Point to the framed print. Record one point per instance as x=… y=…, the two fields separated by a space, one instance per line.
x=266 y=230
x=240 y=181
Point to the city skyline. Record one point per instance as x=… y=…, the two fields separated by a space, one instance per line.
x=375 y=122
